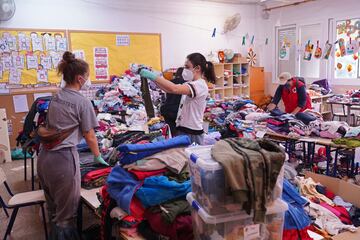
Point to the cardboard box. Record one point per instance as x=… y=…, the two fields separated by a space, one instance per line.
x=348 y=191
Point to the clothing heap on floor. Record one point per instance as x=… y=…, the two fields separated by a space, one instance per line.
x=314 y=207
x=146 y=191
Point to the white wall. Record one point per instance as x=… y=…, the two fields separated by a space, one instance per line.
x=186 y=26
x=312 y=12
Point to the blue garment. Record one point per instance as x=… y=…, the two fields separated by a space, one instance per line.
x=295 y=216
x=133 y=152
x=122 y=187
x=159 y=189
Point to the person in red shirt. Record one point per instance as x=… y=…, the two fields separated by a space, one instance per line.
x=293 y=93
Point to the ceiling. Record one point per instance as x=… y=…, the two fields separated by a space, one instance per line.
x=267 y=2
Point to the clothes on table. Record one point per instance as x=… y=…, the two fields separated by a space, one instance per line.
x=251 y=168
x=133 y=152
x=170 y=210
x=122 y=187
x=159 y=189
x=141 y=175
x=180 y=229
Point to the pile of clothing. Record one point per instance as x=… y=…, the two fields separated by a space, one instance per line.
x=122 y=96
x=314 y=207
x=251 y=170
x=351 y=138
x=146 y=191
x=320 y=87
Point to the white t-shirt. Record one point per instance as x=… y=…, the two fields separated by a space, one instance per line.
x=192 y=108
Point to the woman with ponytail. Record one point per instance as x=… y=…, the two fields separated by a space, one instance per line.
x=195 y=91
x=71 y=115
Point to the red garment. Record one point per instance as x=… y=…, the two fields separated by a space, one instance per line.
x=294 y=234
x=96 y=174
x=339 y=211
x=141 y=175
x=290 y=98
x=329 y=194
x=180 y=229
x=136 y=209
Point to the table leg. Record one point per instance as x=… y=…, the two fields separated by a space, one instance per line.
x=305 y=159
x=25 y=173
x=335 y=162
x=32 y=174
x=328 y=160
x=80 y=217
x=348 y=117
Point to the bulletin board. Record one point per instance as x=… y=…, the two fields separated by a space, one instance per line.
x=118 y=49
x=30 y=76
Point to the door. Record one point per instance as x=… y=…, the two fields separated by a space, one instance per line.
x=257 y=84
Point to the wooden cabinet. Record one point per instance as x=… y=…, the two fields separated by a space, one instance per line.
x=257 y=84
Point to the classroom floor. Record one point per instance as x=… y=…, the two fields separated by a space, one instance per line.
x=28 y=223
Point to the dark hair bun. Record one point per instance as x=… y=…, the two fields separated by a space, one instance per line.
x=68 y=57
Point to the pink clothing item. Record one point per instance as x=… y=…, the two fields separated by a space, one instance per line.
x=327 y=134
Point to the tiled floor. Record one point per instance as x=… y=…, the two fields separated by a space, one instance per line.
x=28 y=223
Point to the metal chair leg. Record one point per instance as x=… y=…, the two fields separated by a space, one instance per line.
x=44 y=221
x=2 y=204
x=11 y=222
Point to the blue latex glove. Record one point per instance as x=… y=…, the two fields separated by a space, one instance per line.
x=99 y=159
x=148 y=74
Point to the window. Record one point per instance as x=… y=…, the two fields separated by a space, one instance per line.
x=346 y=50
x=286 y=49
x=309 y=68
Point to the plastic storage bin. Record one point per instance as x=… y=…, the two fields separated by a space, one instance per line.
x=209 y=184
x=237 y=226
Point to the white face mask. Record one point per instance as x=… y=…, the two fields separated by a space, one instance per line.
x=86 y=85
x=187 y=75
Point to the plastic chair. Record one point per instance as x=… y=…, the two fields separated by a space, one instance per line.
x=20 y=200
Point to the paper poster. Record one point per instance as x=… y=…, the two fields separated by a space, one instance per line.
x=61 y=44
x=6 y=61
x=352 y=47
x=3 y=89
x=1 y=70
x=122 y=40
x=55 y=59
x=328 y=48
x=14 y=76
x=4 y=48
x=38 y=95
x=42 y=75
x=45 y=61
x=31 y=61
x=49 y=42
x=80 y=54
x=18 y=61
x=101 y=62
x=342 y=47
x=284 y=54
x=309 y=47
x=37 y=42
x=24 y=42
x=10 y=41
x=20 y=103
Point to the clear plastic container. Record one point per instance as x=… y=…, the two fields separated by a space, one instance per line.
x=209 y=184
x=239 y=225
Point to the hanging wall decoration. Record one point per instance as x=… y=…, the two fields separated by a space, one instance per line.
x=61 y=43
x=328 y=48
x=284 y=53
x=352 y=47
x=251 y=57
x=18 y=60
x=318 y=50
x=49 y=42
x=342 y=47
x=309 y=47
